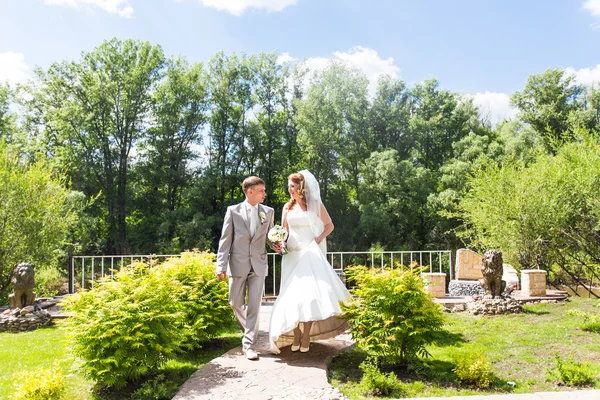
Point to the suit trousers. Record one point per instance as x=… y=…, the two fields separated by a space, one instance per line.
x=247 y=314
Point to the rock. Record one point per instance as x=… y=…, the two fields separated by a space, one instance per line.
x=27 y=310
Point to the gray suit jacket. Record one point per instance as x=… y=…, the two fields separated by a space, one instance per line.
x=237 y=249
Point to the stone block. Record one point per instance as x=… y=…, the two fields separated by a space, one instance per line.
x=435 y=283
x=533 y=282
x=468 y=265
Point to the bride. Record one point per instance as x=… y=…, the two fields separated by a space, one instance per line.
x=308 y=304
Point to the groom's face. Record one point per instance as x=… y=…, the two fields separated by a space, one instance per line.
x=256 y=194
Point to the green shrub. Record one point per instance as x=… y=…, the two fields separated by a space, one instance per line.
x=130 y=327
x=591 y=322
x=391 y=314
x=376 y=383
x=473 y=369
x=154 y=389
x=572 y=373
x=40 y=384
x=48 y=282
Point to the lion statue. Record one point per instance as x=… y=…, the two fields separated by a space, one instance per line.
x=22 y=280
x=492 y=282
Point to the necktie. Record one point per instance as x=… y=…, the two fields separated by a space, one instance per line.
x=253 y=220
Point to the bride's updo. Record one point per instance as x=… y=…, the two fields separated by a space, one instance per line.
x=298 y=179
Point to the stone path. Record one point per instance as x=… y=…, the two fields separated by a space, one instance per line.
x=300 y=376
x=284 y=376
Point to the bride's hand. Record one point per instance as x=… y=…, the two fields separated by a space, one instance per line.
x=318 y=239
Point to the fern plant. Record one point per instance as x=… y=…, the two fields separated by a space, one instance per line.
x=392 y=315
x=131 y=326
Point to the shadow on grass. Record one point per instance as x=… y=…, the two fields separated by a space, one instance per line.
x=446 y=338
x=421 y=373
x=533 y=311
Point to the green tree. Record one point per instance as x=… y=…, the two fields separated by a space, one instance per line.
x=390 y=116
x=35 y=215
x=330 y=119
x=230 y=86
x=543 y=215
x=393 y=202
x=93 y=111
x=167 y=155
x=547 y=103
x=438 y=119
x=272 y=118
x=7 y=119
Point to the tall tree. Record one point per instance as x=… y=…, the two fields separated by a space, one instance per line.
x=332 y=121
x=93 y=111
x=547 y=103
x=168 y=153
x=390 y=116
x=438 y=119
x=230 y=86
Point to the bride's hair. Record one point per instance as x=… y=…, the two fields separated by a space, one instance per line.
x=298 y=179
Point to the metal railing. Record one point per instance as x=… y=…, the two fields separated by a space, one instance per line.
x=89 y=269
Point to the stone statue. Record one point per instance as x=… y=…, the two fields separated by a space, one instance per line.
x=22 y=280
x=492 y=282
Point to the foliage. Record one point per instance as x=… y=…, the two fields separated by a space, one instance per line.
x=548 y=103
x=154 y=389
x=48 y=282
x=519 y=348
x=541 y=215
x=591 y=322
x=571 y=372
x=132 y=326
x=35 y=215
x=376 y=383
x=92 y=112
x=473 y=369
x=392 y=315
x=39 y=384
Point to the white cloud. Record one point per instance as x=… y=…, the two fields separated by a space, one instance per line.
x=493 y=106
x=122 y=8
x=593 y=6
x=13 y=68
x=362 y=58
x=585 y=76
x=285 y=58
x=237 y=7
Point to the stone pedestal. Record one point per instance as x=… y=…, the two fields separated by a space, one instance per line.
x=533 y=282
x=435 y=283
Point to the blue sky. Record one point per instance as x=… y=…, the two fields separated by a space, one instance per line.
x=482 y=48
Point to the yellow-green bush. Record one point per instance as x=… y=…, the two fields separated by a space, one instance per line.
x=392 y=315
x=376 y=383
x=40 y=384
x=133 y=325
x=473 y=369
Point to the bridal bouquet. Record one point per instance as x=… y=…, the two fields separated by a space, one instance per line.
x=277 y=234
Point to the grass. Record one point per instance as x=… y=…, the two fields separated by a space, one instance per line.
x=47 y=348
x=521 y=348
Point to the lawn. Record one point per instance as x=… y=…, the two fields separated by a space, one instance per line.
x=520 y=347
x=47 y=348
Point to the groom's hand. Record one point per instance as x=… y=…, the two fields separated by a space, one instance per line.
x=222 y=276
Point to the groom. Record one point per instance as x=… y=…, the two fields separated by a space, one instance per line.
x=242 y=248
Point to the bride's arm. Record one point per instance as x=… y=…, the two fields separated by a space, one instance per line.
x=327 y=222
x=284 y=222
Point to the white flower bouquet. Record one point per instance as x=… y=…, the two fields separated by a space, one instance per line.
x=277 y=234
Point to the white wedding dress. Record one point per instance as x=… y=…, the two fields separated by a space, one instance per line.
x=310 y=288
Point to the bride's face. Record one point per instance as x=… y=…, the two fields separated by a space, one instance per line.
x=293 y=190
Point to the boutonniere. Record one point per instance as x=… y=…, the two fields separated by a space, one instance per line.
x=262 y=217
